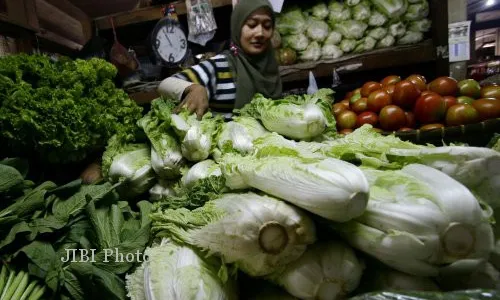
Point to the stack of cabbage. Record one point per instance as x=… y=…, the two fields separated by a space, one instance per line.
x=327 y=31
x=277 y=196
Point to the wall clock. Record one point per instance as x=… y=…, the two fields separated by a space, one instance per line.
x=169 y=42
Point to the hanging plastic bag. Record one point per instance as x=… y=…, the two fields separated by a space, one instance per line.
x=336 y=79
x=313 y=86
x=201 y=21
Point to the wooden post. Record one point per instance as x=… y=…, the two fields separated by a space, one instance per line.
x=439 y=18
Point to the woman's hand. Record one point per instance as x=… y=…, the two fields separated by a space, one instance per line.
x=196 y=100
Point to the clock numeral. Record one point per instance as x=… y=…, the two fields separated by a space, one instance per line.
x=171 y=58
x=183 y=44
x=171 y=29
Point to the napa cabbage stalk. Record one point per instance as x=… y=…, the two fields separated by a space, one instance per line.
x=199 y=171
x=237 y=136
x=178 y=272
x=331 y=188
x=327 y=270
x=295 y=116
x=197 y=136
x=419 y=221
x=162 y=190
x=166 y=156
x=367 y=146
x=130 y=165
x=380 y=278
x=257 y=233
x=478 y=168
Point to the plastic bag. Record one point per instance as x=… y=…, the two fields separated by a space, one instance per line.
x=201 y=21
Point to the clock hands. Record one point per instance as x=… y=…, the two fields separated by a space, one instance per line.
x=166 y=35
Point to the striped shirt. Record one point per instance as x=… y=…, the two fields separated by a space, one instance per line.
x=215 y=75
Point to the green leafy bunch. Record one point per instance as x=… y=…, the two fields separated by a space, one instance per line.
x=61 y=111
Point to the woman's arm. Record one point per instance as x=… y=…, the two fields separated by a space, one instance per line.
x=194 y=87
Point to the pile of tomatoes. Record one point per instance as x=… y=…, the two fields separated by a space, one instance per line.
x=396 y=104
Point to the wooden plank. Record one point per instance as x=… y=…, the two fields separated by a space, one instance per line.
x=31 y=17
x=60 y=40
x=15 y=13
x=147 y=14
x=439 y=31
x=75 y=12
x=382 y=58
x=54 y=20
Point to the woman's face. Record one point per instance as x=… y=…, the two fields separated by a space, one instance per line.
x=256 y=32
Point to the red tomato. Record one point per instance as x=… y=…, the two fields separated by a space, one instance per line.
x=349 y=95
x=450 y=101
x=367 y=117
x=419 y=81
x=392 y=79
x=346 y=119
x=405 y=129
x=345 y=131
x=444 y=86
x=377 y=100
x=487 y=108
x=410 y=119
x=339 y=107
x=392 y=118
x=370 y=87
x=389 y=89
x=490 y=92
x=430 y=108
x=461 y=114
x=405 y=94
x=360 y=106
x=427 y=92
x=346 y=103
x=431 y=126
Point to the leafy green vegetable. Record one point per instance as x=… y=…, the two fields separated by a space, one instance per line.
x=331 y=188
x=48 y=109
x=295 y=116
x=173 y=271
x=197 y=136
x=327 y=270
x=291 y=21
x=259 y=234
x=391 y=8
x=128 y=164
x=166 y=156
x=416 y=226
x=9 y=178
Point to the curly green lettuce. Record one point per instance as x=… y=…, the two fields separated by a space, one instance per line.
x=61 y=111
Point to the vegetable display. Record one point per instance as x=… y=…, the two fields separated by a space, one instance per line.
x=403 y=104
x=62 y=111
x=294 y=198
x=352 y=26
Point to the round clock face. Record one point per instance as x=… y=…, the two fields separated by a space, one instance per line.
x=169 y=42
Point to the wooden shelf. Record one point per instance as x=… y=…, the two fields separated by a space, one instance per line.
x=147 y=14
x=377 y=59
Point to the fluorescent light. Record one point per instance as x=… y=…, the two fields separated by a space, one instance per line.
x=489 y=45
x=490 y=2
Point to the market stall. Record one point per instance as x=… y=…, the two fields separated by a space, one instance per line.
x=388 y=191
